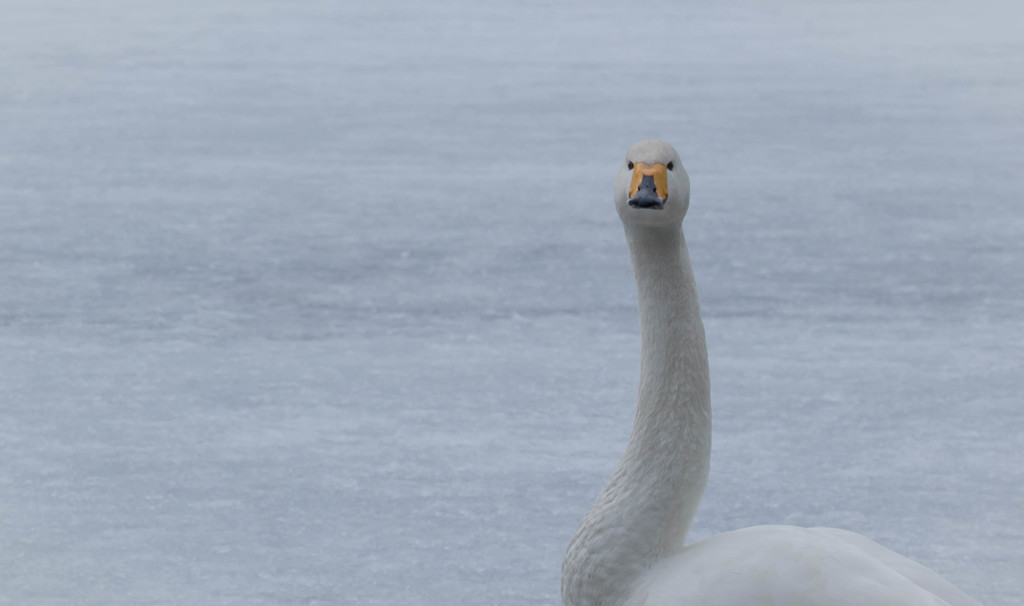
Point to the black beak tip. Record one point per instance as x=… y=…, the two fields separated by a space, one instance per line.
x=646 y=199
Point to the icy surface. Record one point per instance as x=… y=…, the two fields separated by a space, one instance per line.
x=327 y=303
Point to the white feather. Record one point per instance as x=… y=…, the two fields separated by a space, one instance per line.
x=629 y=550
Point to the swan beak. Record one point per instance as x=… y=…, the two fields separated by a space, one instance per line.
x=649 y=187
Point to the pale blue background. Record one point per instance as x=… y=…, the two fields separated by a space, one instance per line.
x=327 y=303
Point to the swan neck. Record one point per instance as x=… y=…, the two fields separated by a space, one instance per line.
x=645 y=510
x=672 y=428
x=669 y=310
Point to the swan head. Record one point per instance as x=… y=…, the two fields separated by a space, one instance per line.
x=652 y=187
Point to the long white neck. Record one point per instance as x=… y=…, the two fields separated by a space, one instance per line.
x=645 y=510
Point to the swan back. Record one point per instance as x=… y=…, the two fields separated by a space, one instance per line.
x=791 y=566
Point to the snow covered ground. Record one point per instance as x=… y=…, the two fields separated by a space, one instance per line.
x=327 y=303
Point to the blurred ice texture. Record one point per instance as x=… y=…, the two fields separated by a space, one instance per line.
x=327 y=303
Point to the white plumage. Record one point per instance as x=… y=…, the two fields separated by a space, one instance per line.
x=629 y=550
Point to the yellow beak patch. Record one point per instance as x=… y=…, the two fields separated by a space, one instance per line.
x=655 y=170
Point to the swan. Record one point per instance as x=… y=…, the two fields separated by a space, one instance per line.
x=629 y=549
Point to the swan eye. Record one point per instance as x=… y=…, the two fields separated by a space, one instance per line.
x=629 y=165
x=669 y=166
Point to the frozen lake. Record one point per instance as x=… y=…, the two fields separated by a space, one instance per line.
x=327 y=303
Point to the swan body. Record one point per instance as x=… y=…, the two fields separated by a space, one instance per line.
x=787 y=565
x=630 y=548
